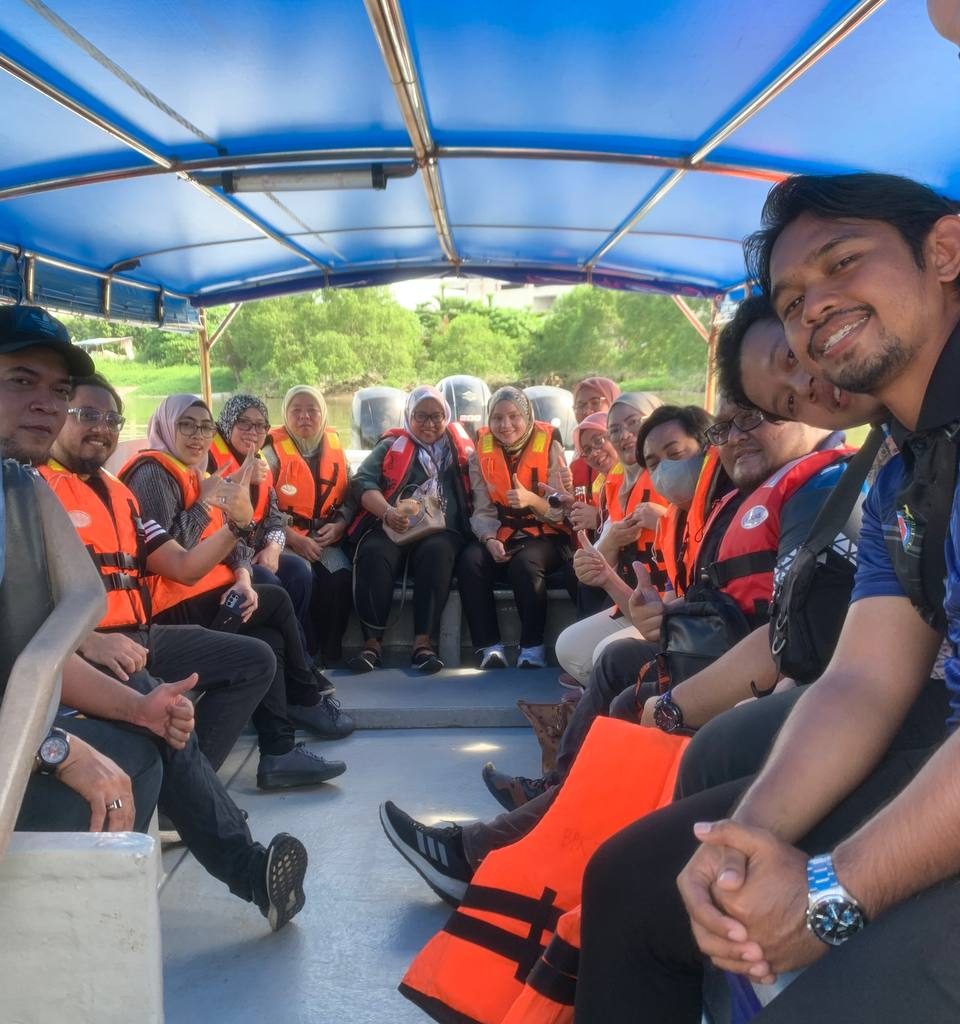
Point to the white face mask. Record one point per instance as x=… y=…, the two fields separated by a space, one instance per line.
x=676 y=479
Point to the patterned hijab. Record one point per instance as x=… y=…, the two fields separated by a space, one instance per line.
x=433 y=457
x=162 y=425
x=516 y=397
x=232 y=410
x=308 y=446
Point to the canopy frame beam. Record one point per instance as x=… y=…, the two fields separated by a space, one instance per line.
x=811 y=56
x=691 y=317
x=391 y=33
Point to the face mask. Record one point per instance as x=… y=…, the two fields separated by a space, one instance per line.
x=676 y=479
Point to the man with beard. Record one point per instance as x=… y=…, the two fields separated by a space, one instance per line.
x=35 y=360
x=863 y=272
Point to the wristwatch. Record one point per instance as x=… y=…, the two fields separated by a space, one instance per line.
x=54 y=750
x=667 y=714
x=833 y=915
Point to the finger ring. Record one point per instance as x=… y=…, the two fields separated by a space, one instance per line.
x=115 y=805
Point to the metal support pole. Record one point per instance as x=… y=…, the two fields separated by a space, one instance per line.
x=223 y=325
x=691 y=317
x=710 y=388
x=206 y=382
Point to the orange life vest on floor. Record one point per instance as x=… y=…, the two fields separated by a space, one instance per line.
x=643 y=549
x=680 y=531
x=747 y=554
x=398 y=462
x=532 y=468
x=166 y=593
x=114 y=538
x=310 y=501
x=475 y=968
x=224 y=459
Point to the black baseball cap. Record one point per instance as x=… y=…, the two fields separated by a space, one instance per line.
x=30 y=326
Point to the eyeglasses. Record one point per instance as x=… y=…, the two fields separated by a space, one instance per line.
x=190 y=428
x=631 y=426
x=423 y=418
x=747 y=419
x=89 y=416
x=594 y=446
x=589 y=405
x=255 y=426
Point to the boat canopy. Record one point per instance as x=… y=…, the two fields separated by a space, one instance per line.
x=162 y=157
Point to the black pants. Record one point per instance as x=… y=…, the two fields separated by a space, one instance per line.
x=275 y=623
x=638 y=952
x=50 y=806
x=377 y=565
x=294 y=575
x=533 y=560
x=234 y=674
x=330 y=609
x=613 y=672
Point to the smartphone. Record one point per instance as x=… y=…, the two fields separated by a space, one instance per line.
x=228 y=618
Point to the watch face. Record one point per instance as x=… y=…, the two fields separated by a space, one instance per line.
x=667 y=715
x=834 y=920
x=54 y=750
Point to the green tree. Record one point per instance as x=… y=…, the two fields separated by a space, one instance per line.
x=658 y=341
x=150 y=344
x=470 y=345
x=580 y=336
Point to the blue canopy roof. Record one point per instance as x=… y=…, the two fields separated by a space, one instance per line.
x=628 y=142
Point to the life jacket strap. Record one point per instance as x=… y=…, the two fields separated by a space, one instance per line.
x=729 y=569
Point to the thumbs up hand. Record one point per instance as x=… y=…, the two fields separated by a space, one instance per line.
x=519 y=496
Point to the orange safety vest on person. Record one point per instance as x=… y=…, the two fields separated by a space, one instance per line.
x=114 y=538
x=166 y=593
x=310 y=501
x=643 y=549
x=225 y=460
x=680 y=531
x=747 y=554
x=475 y=968
x=398 y=462
x=533 y=468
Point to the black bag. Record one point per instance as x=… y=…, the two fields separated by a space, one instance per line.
x=803 y=634
x=695 y=631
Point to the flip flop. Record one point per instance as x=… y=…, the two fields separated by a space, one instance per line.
x=366 y=661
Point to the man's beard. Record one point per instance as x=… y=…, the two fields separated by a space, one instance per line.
x=9 y=449
x=81 y=466
x=875 y=372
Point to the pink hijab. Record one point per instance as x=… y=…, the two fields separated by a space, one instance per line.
x=162 y=425
x=606 y=387
x=595 y=421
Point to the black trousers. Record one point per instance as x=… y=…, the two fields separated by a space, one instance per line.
x=330 y=608
x=275 y=623
x=50 y=806
x=533 y=560
x=638 y=954
x=377 y=564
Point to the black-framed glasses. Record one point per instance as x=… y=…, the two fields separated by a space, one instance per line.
x=746 y=419
x=88 y=417
x=190 y=428
x=254 y=426
x=423 y=418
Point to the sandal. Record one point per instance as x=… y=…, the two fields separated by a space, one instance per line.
x=426 y=661
x=366 y=661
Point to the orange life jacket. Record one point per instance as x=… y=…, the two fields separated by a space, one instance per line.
x=550 y=989
x=398 y=462
x=166 y=593
x=643 y=549
x=747 y=554
x=114 y=537
x=225 y=460
x=475 y=968
x=532 y=468
x=310 y=500
x=680 y=532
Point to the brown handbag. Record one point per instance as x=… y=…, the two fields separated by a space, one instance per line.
x=548 y=722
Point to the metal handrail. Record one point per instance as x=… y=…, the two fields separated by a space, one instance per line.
x=33 y=689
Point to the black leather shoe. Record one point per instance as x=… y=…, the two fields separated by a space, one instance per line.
x=298 y=767
x=324 y=718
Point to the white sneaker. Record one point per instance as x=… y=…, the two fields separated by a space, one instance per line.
x=493 y=656
x=532 y=657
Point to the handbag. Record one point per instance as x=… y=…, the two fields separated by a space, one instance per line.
x=548 y=721
x=425 y=508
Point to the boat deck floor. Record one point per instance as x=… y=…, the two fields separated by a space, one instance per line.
x=421 y=743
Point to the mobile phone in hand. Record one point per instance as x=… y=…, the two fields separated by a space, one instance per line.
x=228 y=618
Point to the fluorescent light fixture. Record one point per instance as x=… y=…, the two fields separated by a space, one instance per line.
x=335 y=177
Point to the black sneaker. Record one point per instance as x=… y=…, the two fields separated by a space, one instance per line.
x=298 y=767
x=324 y=718
x=286 y=869
x=434 y=851
x=512 y=791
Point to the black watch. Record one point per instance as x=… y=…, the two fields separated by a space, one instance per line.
x=833 y=915
x=54 y=750
x=554 y=500
x=667 y=714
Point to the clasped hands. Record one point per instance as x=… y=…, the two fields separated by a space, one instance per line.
x=746 y=893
